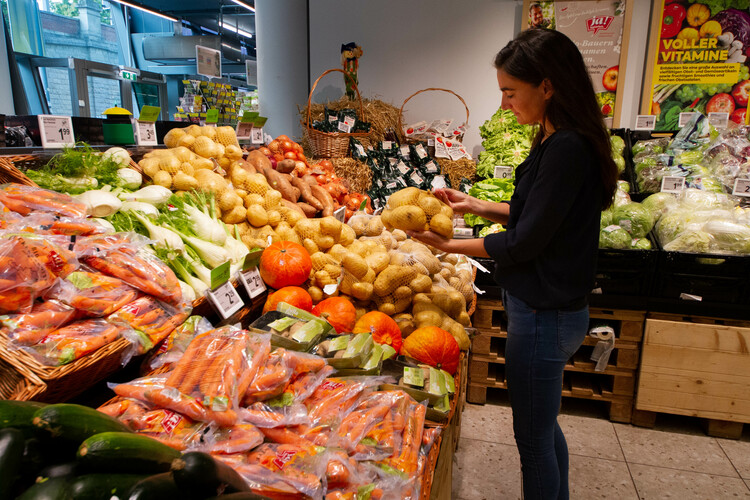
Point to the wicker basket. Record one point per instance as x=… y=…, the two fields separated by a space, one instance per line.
x=57 y=383
x=406 y=140
x=331 y=144
x=9 y=171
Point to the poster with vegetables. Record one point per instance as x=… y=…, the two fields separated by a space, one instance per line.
x=596 y=27
x=698 y=60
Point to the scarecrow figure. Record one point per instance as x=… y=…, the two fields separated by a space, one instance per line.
x=350 y=54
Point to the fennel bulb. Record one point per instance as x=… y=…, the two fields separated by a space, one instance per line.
x=99 y=203
x=153 y=194
x=105 y=224
x=205 y=226
x=129 y=178
x=163 y=237
x=139 y=206
x=188 y=292
x=118 y=155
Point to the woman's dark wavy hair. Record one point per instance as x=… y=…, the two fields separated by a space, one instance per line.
x=539 y=54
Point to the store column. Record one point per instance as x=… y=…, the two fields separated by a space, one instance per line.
x=282 y=53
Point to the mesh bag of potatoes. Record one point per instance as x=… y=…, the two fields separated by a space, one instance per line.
x=219 y=143
x=413 y=209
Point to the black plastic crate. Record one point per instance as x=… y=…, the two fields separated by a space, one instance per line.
x=709 y=278
x=625 y=272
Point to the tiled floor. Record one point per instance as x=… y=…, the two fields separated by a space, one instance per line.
x=612 y=461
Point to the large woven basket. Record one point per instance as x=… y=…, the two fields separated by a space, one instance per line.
x=10 y=172
x=401 y=116
x=19 y=371
x=331 y=144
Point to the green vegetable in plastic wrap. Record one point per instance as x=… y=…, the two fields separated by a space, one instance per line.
x=618 y=144
x=640 y=244
x=634 y=218
x=614 y=237
x=494 y=228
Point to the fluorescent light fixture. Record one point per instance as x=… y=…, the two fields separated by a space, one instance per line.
x=234 y=29
x=230 y=47
x=144 y=9
x=243 y=4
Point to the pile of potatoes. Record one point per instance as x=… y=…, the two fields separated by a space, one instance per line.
x=417 y=210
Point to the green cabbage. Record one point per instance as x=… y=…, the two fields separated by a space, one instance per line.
x=606 y=219
x=494 y=228
x=633 y=217
x=640 y=244
x=690 y=242
x=506 y=142
x=658 y=203
x=618 y=144
x=614 y=237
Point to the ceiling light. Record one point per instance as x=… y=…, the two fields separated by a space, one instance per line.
x=243 y=4
x=230 y=47
x=234 y=29
x=144 y=9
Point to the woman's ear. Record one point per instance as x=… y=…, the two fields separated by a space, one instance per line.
x=547 y=88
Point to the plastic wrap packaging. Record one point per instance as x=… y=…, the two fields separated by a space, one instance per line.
x=301 y=467
x=92 y=293
x=263 y=415
x=152 y=318
x=173 y=347
x=381 y=440
x=271 y=379
x=44 y=318
x=371 y=411
x=47 y=223
x=74 y=341
x=172 y=429
x=239 y=438
x=336 y=397
x=126 y=410
x=26 y=199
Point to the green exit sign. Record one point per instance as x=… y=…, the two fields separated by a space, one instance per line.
x=128 y=75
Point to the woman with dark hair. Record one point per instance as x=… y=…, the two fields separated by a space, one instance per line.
x=545 y=260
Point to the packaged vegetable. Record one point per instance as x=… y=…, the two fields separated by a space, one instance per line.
x=336 y=397
x=173 y=347
x=301 y=467
x=152 y=317
x=31 y=327
x=239 y=438
x=76 y=340
x=48 y=223
x=25 y=199
x=92 y=293
x=170 y=428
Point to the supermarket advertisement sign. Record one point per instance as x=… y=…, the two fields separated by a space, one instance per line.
x=596 y=27
x=698 y=61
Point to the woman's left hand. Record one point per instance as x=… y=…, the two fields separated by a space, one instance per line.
x=431 y=238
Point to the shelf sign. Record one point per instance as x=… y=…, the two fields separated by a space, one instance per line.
x=645 y=122
x=252 y=282
x=672 y=184
x=244 y=130
x=741 y=187
x=502 y=172
x=208 y=61
x=256 y=135
x=718 y=120
x=226 y=300
x=212 y=115
x=145 y=133
x=684 y=118
x=149 y=113
x=56 y=131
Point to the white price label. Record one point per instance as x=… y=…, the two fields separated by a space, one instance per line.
x=684 y=118
x=463 y=232
x=349 y=120
x=56 y=131
x=344 y=127
x=431 y=167
x=502 y=172
x=361 y=150
x=421 y=152
x=256 y=135
x=404 y=151
x=252 y=282
x=226 y=300
x=645 y=122
x=718 y=120
x=243 y=130
x=145 y=133
x=385 y=144
x=741 y=187
x=672 y=184
x=431 y=141
x=340 y=214
x=402 y=168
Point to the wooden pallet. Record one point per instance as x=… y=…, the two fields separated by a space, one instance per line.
x=713 y=427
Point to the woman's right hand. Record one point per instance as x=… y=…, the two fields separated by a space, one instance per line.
x=458 y=201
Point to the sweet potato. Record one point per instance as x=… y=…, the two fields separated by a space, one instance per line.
x=308 y=210
x=306 y=193
x=279 y=183
x=285 y=166
x=325 y=198
x=258 y=160
x=293 y=206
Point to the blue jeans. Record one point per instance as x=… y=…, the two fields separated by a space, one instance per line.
x=538 y=346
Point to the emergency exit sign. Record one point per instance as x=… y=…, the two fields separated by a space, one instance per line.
x=128 y=75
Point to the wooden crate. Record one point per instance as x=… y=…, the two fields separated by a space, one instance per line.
x=696 y=367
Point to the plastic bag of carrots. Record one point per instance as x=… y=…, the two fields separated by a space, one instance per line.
x=126 y=410
x=151 y=318
x=27 y=199
x=301 y=467
x=305 y=373
x=44 y=318
x=271 y=379
x=336 y=397
x=92 y=293
x=373 y=429
x=75 y=340
x=122 y=255
x=173 y=347
x=29 y=266
x=239 y=438
x=47 y=223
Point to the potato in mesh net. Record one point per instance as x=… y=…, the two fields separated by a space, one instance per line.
x=391 y=278
x=412 y=209
x=226 y=136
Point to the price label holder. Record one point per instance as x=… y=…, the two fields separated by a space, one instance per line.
x=256 y=135
x=718 y=120
x=212 y=116
x=672 y=184
x=685 y=117
x=502 y=172
x=252 y=282
x=149 y=113
x=340 y=214
x=224 y=297
x=145 y=133
x=385 y=145
x=56 y=131
x=252 y=259
x=645 y=122
x=244 y=130
x=741 y=187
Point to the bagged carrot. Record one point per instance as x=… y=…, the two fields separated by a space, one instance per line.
x=170 y=428
x=263 y=415
x=384 y=438
x=76 y=340
x=92 y=293
x=126 y=410
x=309 y=372
x=151 y=317
x=48 y=223
x=44 y=318
x=173 y=347
x=302 y=467
x=411 y=441
x=370 y=411
x=271 y=379
x=236 y=439
x=336 y=397
x=25 y=199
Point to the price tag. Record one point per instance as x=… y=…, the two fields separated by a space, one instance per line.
x=431 y=142
x=402 y=168
x=256 y=135
x=404 y=151
x=56 y=131
x=645 y=122
x=252 y=282
x=463 y=232
x=672 y=184
x=350 y=121
x=741 y=187
x=340 y=214
x=344 y=127
x=212 y=115
x=421 y=151
x=333 y=118
x=219 y=275
x=243 y=130
x=385 y=144
x=684 y=118
x=149 y=113
x=718 y=120
x=431 y=167
x=502 y=172
x=226 y=300
x=145 y=133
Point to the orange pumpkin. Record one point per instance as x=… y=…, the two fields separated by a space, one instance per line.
x=433 y=346
x=383 y=328
x=285 y=263
x=292 y=295
x=338 y=311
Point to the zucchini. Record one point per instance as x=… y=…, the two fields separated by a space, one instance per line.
x=125 y=452
x=11 y=454
x=59 y=470
x=198 y=474
x=74 y=423
x=157 y=487
x=57 y=488
x=103 y=486
x=19 y=414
